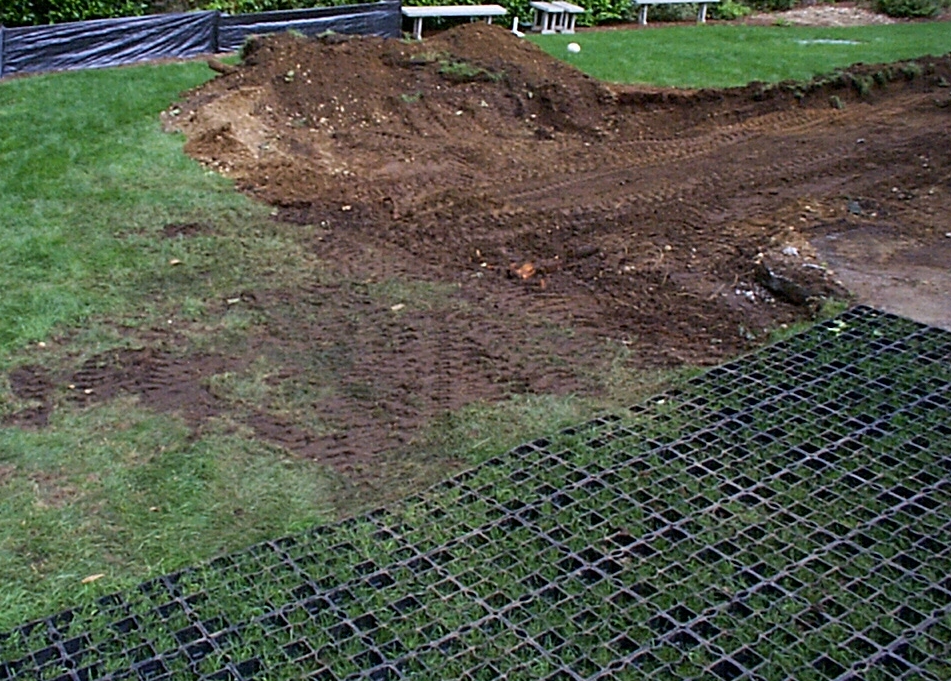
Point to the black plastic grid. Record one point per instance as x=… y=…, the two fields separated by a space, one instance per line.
x=787 y=515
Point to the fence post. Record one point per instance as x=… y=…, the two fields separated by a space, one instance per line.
x=214 y=32
x=2 y=29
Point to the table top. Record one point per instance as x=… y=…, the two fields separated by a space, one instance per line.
x=455 y=11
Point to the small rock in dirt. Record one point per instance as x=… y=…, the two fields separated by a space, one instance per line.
x=220 y=67
x=791 y=251
x=781 y=287
x=526 y=271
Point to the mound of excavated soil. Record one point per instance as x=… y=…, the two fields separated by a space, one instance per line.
x=368 y=120
x=561 y=224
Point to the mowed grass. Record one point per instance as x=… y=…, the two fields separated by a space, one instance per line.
x=87 y=182
x=696 y=56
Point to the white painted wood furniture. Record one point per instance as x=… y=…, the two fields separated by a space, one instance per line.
x=417 y=14
x=554 y=17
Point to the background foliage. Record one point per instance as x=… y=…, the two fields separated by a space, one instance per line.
x=30 y=12
x=35 y=12
x=911 y=8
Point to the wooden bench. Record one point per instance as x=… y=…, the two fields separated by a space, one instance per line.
x=417 y=14
x=642 y=6
x=555 y=17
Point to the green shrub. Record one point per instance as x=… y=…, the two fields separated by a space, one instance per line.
x=729 y=10
x=600 y=11
x=38 y=12
x=910 y=8
x=34 y=12
x=773 y=5
x=671 y=12
x=252 y=6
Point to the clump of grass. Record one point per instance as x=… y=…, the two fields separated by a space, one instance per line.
x=463 y=72
x=862 y=85
x=911 y=70
x=883 y=76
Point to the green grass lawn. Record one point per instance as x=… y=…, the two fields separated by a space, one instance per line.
x=87 y=182
x=724 y=56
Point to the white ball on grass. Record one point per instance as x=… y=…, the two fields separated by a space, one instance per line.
x=574 y=48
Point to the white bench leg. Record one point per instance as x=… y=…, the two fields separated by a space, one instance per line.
x=702 y=14
x=417 y=28
x=569 y=23
x=642 y=15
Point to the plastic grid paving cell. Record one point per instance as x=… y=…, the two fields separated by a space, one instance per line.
x=787 y=515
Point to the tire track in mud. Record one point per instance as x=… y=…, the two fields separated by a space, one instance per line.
x=161 y=380
x=402 y=370
x=616 y=162
x=635 y=162
x=639 y=214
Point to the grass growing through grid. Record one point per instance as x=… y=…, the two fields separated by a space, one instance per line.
x=726 y=56
x=786 y=515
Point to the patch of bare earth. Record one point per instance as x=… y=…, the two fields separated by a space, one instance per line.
x=821 y=14
x=561 y=227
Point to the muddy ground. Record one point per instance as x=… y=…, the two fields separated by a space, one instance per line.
x=489 y=222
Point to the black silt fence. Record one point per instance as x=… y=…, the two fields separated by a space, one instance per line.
x=113 y=42
x=381 y=19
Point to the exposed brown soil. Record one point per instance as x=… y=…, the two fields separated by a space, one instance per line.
x=559 y=225
x=821 y=14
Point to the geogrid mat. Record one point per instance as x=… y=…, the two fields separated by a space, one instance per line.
x=787 y=515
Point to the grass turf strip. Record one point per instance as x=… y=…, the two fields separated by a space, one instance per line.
x=728 y=56
x=785 y=515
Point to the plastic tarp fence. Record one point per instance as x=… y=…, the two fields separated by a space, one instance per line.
x=108 y=42
x=381 y=18
x=112 y=42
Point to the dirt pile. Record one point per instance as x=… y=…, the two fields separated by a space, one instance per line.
x=372 y=120
x=489 y=222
